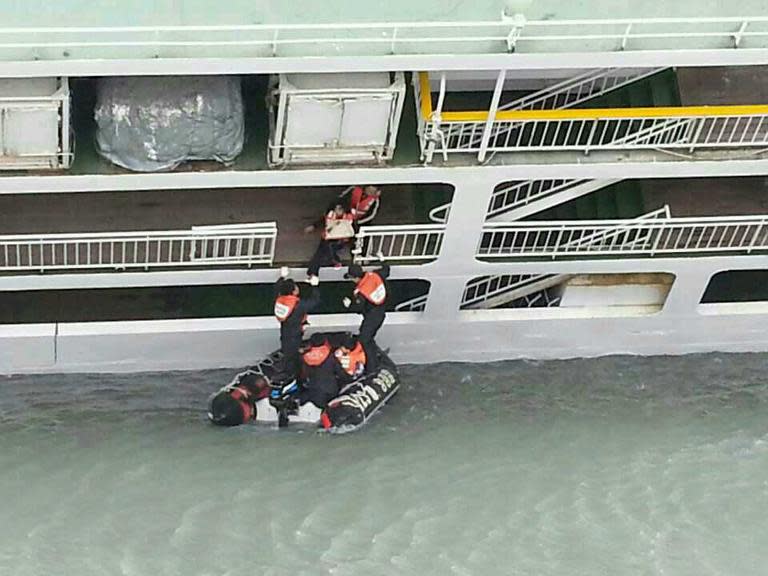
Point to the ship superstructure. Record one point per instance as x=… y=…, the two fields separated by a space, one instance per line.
x=553 y=186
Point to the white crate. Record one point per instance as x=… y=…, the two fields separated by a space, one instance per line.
x=34 y=124
x=332 y=118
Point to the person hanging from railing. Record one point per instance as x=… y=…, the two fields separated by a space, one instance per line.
x=291 y=311
x=351 y=360
x=369 y=298
x=321 y=372
x=337 y=233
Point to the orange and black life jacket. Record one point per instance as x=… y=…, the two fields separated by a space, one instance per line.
x=317 y=354
x=284 y=306
x=360 y=202
x=352 y=361
x=372 y=287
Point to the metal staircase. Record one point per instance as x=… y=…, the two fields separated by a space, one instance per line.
x=579 y=89
x=573 y=91
x=494 y=291
x=520 y=199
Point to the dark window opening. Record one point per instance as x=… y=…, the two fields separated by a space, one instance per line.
x=174 y=302
x=737 y=286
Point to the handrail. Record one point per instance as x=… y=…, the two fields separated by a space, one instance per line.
x=199 y=246
x=508 y=32
x=687 y=235
x=414 y=242
x=584 y=113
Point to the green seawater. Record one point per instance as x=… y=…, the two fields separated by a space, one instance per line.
x=615 y=466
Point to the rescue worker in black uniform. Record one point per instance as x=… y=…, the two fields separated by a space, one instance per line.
x=291 y=311
x=320 y=372
x=369 y=298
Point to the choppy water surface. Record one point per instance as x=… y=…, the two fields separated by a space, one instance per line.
x=616 y=466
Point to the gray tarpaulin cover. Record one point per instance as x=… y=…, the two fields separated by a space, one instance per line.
x=155 y=123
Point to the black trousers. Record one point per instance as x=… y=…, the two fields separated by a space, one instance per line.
x=291 y=361
x=327 y=254
x=372 y=321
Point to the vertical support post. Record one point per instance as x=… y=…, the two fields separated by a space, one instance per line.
x=277 y=153
x=491 y=115
x=64 y=102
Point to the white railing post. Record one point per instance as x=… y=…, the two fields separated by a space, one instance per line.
x=497 y=90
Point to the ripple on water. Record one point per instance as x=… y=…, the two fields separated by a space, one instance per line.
x=626 y=466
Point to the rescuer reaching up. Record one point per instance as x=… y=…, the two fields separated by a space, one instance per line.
x=291 y=311
x=369 y=298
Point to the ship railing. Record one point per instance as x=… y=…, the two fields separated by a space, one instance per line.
x=648 y=237
x=269 y=40
x=489 y=291
x=681 y=128
x=417 y=304
x=439 y=214
x=404 y=243
x=507 y=34
x=579 y=89
x=518 y=194
x=236 y=244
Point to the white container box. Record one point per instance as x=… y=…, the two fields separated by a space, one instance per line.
x=333 y=118
x=34 y=124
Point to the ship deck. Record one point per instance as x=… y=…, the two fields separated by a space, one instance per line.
x=291 y=208
x=78 y=30
x=82 y=13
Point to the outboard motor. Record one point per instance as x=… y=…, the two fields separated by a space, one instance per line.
x=283 y=398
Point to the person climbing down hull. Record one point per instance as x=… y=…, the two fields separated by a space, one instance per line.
x=369 y=298
x=278 y=397
x=291 y=311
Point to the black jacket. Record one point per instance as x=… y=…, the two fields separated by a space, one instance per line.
x=321 y=383
x=291 y=328
x=360 y=303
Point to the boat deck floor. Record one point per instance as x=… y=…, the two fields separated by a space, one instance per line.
x=292 y=208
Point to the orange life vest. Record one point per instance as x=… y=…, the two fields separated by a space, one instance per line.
x=284 y=306
x=360 y=202
x=317 y=354
x=372 y=287
x=352 y=361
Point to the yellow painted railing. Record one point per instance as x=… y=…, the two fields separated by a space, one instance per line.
x=583 y=113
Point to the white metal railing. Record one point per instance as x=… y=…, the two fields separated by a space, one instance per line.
x=580 y=88
x=678 y=236
x=639 y=33
x=507 y=34
x=485 y=287
x=417 y=304
x=412 y=243
x=273 y=39
x=495 y=290
x=618 y=129
x=516 y=200
x=522 y=193
x=245 y=244
x=577 y=90
x=439 y=214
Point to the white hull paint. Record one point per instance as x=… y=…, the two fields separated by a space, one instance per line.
x=483 y=337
